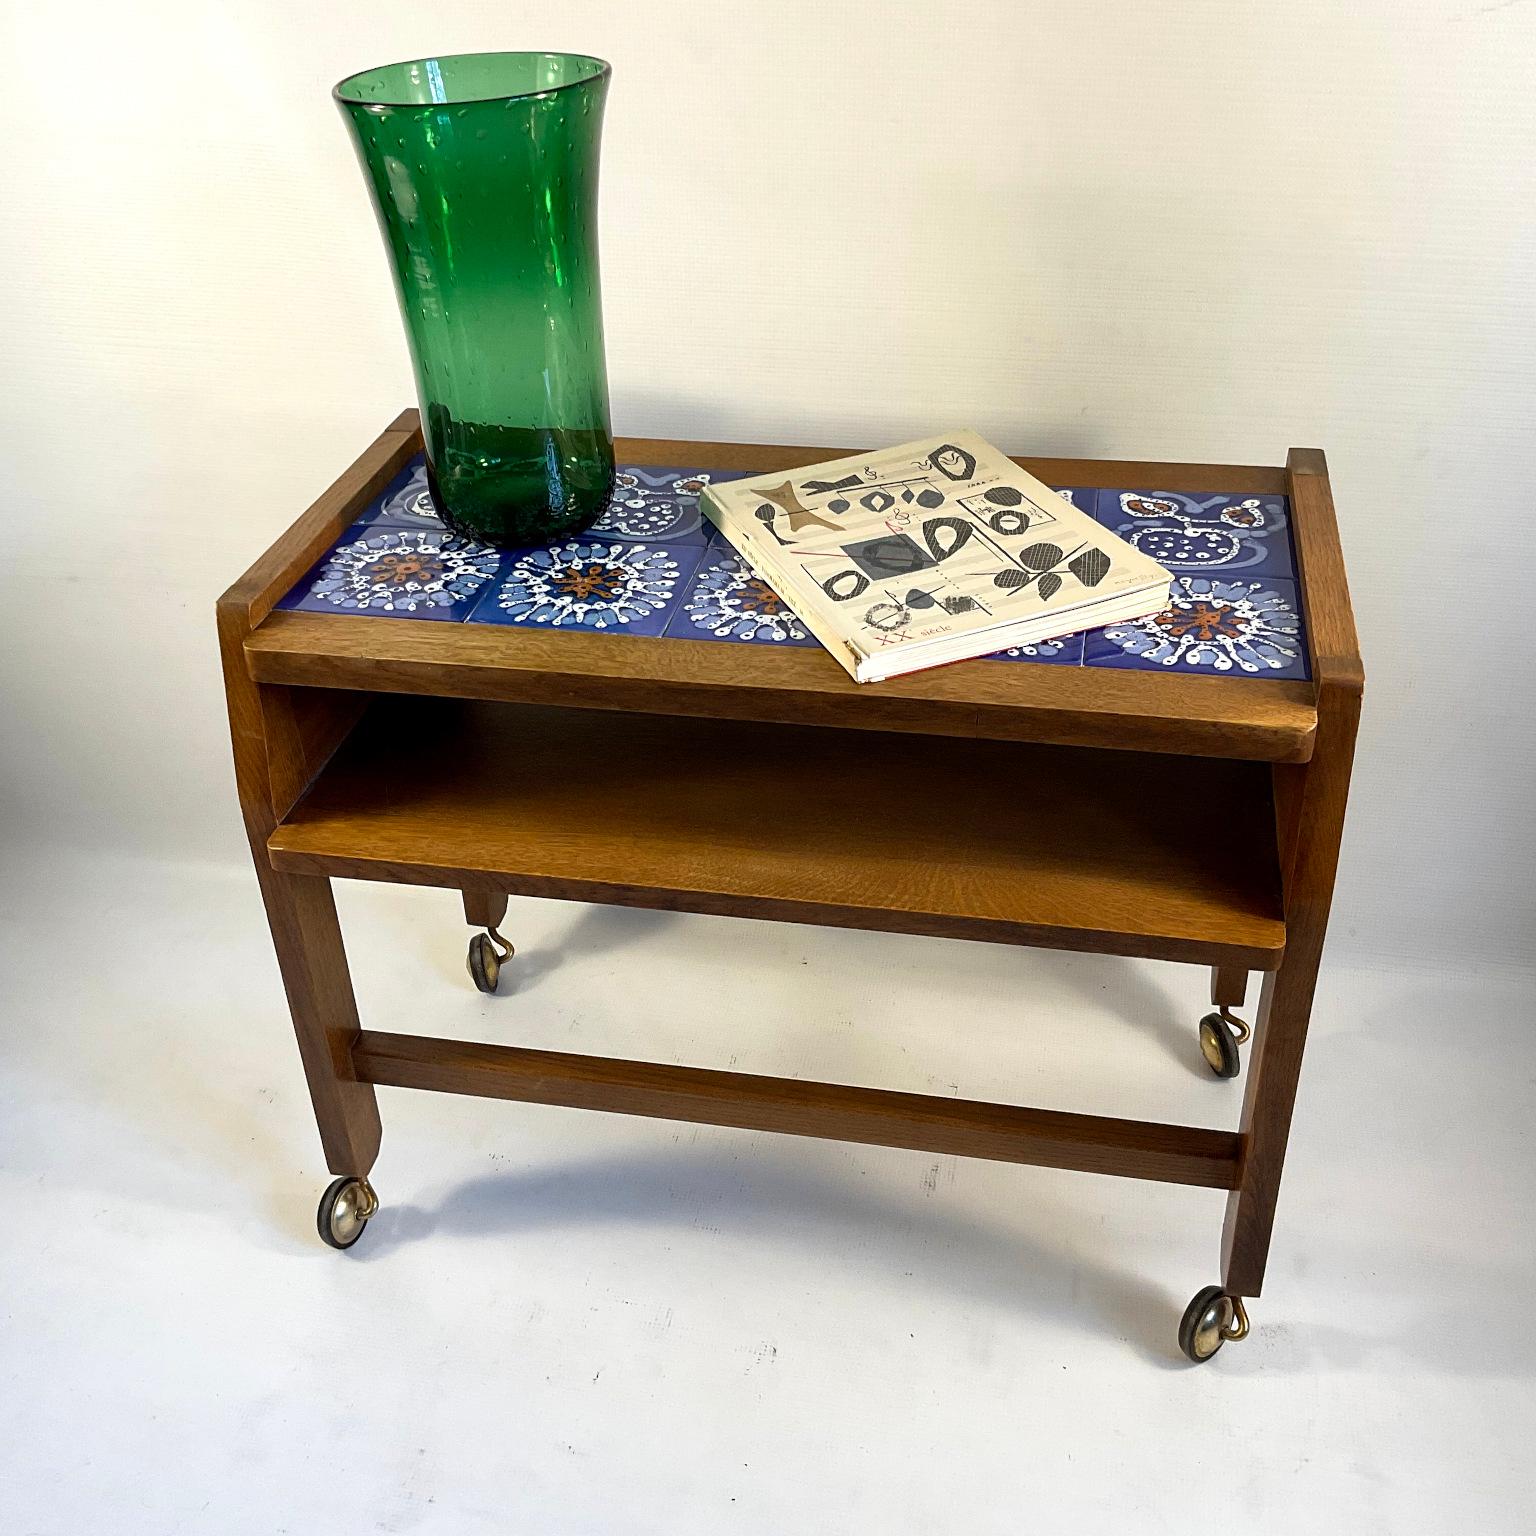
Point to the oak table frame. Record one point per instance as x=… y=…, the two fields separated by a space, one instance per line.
x=321 y=798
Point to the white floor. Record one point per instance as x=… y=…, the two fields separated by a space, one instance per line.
x=579 y=1323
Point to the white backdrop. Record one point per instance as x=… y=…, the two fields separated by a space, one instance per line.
x=1205 y=230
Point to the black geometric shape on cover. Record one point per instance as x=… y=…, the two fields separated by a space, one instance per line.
x=1090 y=567
x=952 y=462
x=892 y=554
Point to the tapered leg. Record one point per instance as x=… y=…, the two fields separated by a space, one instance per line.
x=1274 y=1068
x=1317 y=792
x=281 y=738
x=483 y=909
x=1229 y=986
x=307 y=938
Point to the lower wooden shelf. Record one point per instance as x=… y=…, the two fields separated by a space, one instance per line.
x=1071 y=848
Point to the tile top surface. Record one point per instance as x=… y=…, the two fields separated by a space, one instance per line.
x=652 y=564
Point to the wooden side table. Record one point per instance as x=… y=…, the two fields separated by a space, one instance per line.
x=479 y=757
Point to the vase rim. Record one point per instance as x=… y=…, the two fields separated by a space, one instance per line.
x=599 y=69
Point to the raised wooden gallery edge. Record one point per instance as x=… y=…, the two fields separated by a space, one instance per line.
x=1233 y=717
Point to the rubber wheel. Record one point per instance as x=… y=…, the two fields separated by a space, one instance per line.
x=1201 y=1329
x=484 y=963
x=337 y=1220
x=1219 y=1046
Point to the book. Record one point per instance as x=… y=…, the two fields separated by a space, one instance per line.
x=935 y=551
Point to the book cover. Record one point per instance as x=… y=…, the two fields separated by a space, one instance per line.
x=931 y=552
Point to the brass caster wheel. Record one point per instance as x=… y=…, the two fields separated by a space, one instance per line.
x=344 y=1211
x=1220 y=1035
x=1210 y=1320
x=488 y=952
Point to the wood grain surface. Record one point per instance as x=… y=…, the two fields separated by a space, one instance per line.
x=999 y=700
x=280 y=738
x=1015 y=843
x=1311 y=799
x=1286 y=997
x=1235 y=717
x=1330 y=616
x=1135 y=1149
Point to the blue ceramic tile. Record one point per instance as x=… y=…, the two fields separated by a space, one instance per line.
x=1241 y=536
x=658 y=505
x=1234 y=611
x=1084 y=498
x=1066 y=652
x=1213 y=625
x=726 y=600
x=407 y=503
x=397 y=573
x=652 y=504
x=615 y=586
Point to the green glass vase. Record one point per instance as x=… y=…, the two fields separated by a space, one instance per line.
x=483 y=169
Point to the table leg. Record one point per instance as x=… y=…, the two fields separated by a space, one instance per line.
x=307 y=938
x=482 y=909
x=1285 y=1002
x=1314 y=794
x=1229 y=986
